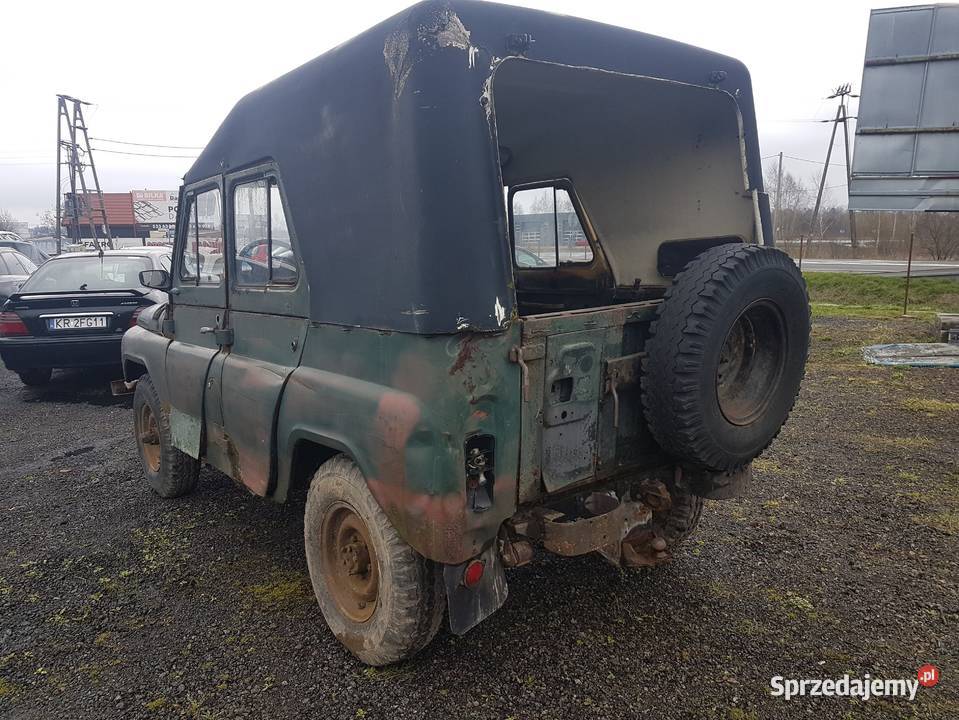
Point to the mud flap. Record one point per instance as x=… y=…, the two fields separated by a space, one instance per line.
x=470 y=606
x=185 y=430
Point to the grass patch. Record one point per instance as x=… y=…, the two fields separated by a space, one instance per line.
x=874 y=296
x=947 y=522
x=157 y=704
x=7 y=688
x=880 y=443
x=930 y=406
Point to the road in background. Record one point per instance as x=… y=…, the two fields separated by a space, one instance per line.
x=892 y=268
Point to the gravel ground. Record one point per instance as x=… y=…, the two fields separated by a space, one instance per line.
x=842 y=557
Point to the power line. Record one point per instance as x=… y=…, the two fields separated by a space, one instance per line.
x=815 y=162
x=128 y=142
x=121 y=152
x=793 y=157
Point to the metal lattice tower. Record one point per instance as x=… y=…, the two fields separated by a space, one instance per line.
x=77 y=156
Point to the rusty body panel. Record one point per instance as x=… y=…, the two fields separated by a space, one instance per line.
x=602 y=404
x=401 y=406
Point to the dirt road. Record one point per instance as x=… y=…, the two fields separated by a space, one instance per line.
x=842 y=558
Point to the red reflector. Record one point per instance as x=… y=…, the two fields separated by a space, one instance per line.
x=12 y=326
x=473 y=573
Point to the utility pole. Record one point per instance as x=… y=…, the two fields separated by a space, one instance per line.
x=779 y=199
x=825 y=169
x=842 y=92
x=73 y=151
x=59 y=193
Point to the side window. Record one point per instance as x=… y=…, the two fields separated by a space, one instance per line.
x=4 y=270
x=262 y=252
x=546 y=229
x=202 y=250
x=26 y=263
x=209 y=222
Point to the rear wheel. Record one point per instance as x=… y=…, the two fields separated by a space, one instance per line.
x=169 y=471
x=35 y=376
x=381 y=598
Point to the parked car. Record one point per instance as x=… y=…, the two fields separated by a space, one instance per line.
x=527 y=259
x=15 y=242
x=447 y=405
x=73 y=311
x=15 y=268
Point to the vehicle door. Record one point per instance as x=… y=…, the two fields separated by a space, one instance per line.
x=268 y=317
x=198 y=311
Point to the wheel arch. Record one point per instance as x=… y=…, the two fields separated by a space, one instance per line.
x=301 y=454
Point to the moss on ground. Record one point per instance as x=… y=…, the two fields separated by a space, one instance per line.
x=284 y=589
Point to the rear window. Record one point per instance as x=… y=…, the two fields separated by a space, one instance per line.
x=111 y=272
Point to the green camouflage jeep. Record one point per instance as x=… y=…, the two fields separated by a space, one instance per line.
x=484 y=280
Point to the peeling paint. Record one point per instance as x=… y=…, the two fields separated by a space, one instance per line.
x=499 y=311
x=425 y=31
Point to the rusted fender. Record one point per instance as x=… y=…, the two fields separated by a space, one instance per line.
x=147 y=349
x=401 y=406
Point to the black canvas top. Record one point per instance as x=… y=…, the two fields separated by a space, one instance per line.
x=386 y=151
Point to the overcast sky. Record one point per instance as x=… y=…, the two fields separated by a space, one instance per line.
x=167 y=72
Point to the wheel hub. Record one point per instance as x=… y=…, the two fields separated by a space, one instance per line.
x=148 y=435
x=349 y=562
x=751 y=363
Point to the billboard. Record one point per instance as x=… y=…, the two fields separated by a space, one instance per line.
x=907 y=135
x=155 y=208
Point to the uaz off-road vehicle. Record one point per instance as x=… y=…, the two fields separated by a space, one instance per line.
x=484 y=279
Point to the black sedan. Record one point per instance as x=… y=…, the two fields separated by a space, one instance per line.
x=14 y=270
x=72 y=312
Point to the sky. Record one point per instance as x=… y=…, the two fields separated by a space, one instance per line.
x=167 y=72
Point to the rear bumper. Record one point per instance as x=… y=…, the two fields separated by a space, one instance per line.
x=39 y=352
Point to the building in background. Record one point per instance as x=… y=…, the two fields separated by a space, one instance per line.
x=145 y=215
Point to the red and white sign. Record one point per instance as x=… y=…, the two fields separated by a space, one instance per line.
x=928 y=675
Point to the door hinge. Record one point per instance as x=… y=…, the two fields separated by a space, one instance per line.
x=221 y=336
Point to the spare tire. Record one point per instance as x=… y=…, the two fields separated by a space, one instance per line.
x=725 y=355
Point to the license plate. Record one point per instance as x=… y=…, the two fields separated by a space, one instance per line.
x=83 y=322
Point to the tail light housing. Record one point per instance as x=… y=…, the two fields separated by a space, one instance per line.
x=135 y=315
x=11 y=325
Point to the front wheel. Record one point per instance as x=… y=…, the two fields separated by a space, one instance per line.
x=381 y=598
x=169 y=471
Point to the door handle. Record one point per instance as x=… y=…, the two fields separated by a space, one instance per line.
x=207 y=330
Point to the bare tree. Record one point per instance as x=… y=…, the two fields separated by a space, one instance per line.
x=48 y=221
x=796 y=203
x=939 y=234
x=7 y=221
